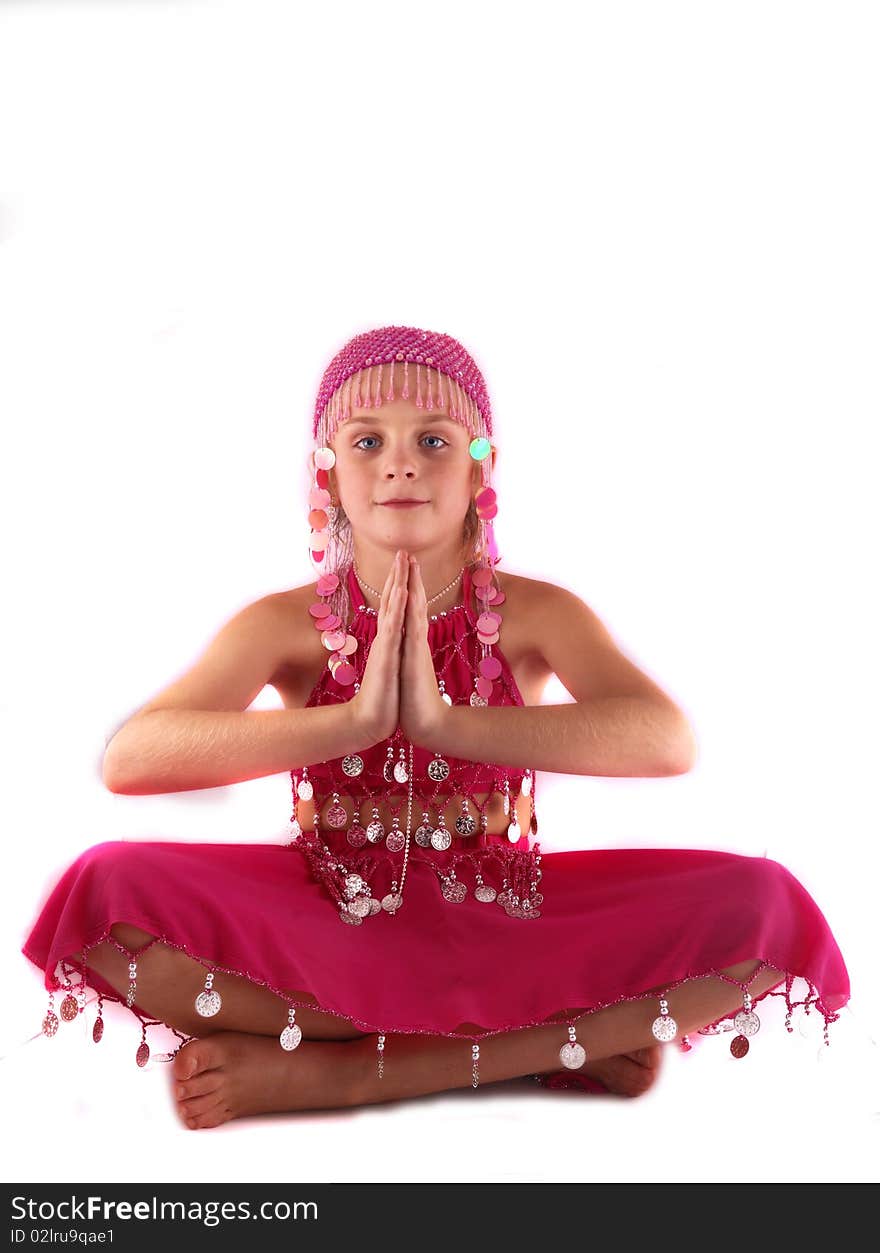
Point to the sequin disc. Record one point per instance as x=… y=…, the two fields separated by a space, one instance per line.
x=50 y=1023
x=98 y=1030
x=572 y=1055
x=69 y=1008
x=337 y=816
x=291 y=1036
x=739 y=1046
x=664 y=1027
x=394 y=841
x=357 y=836
x=441 y=838
x=375 y=831
x=483 y=892
x=353 y=765
x=142 y=1056
x=746 y=1022
x=454 y=890
x=392 y=901
x=208 y=1003
x=438 y=770
x=423 y=836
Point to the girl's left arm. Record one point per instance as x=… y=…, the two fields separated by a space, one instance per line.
x=620 y=724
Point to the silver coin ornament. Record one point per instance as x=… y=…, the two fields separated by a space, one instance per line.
x=401 y=774
x=514 y=833
x=477 y=699
x=351 y=919
x=747 y=1022
x=438 y=770
x=388 y=771
x=304 y=790
x=353 y=884
x=375 y=905
x=337 y=816
x=360 y=906
x=423 y=836
x=572 y=1055
x=291 y=1036
x=394 y=841
x=353 y=765
x=537 y=898
x=484 y=892
x=392 y=901
x=465 y=824
x=357 y=836
x=50 y=1023
x=526 y=785
x=375 y=832
x=142 y=1056
x=664 y=1028
x=441 y=838
x=454 y=890
x=208 y=1003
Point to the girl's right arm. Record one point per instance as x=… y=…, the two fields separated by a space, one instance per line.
x=198 y=732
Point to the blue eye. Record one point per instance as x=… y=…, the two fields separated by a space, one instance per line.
x=443 y=442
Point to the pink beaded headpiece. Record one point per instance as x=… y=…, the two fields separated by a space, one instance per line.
x=364 y=373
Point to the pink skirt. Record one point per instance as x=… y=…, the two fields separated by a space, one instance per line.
x=613 y=924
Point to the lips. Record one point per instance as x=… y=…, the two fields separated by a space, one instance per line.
x=402 y=504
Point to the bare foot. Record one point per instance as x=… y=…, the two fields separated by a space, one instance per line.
x=231 y=1074
x=627 y=1074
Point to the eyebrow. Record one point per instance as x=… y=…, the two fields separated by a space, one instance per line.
x=419 y=419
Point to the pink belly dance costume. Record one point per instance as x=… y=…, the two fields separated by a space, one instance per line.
x=420 y=927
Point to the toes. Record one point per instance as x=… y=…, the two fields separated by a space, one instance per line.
x=203 y=1083
x=199 y=1105
x=219 y=1114
x=194 y=1057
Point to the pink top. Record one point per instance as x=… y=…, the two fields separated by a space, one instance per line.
x=456 y=649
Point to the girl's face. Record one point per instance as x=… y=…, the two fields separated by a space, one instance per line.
x=400 y=450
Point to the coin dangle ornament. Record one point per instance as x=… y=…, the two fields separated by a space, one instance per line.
x=98 y=1025
x=464 y=823
x=424 y=832
x=453 y=889
x=337 y=815
x=506 y=799
x=664 y=1028
x=208 y=1002
x=392 y=900
x=292 y=1033
x=395 y=839
x=353 y=765
x=747 y=1023
x=69 y=1008
x=438 y=769
x=142 y=1056
x=388 y=767
x=304 y=789
x=357 y=836
x=441 y=836
x=484 y=891
x=572 y=1055
x=401 y=774
x=375 y=828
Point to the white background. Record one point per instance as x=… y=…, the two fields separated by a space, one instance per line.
x=654 y=226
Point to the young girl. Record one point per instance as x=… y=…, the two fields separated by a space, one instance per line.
x=411 y=938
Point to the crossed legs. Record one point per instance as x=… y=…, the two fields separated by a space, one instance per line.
x=237 y=1066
